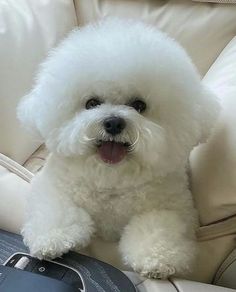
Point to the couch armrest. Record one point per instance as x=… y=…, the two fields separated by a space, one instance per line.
x=14 y=187
x=172 y=285
x=189 y=286
x=214 y=163
x=225 y=275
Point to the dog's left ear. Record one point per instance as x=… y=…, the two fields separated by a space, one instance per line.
x=207 y=113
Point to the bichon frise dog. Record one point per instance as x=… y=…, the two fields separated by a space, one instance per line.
x=120 y=106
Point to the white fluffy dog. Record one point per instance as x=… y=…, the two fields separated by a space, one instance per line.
x=120 y=106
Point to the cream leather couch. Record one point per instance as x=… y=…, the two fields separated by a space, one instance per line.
x=29 y=28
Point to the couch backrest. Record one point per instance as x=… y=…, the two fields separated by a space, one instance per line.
x=28 y=29
x=204 y=29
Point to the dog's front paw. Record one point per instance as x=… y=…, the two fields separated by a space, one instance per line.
x=51 y=245
x=56 y=242
x=152 y=267
x=158 y=271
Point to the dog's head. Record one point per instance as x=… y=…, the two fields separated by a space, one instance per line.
x=122 y=93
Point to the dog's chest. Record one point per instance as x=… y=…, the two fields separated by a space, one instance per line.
x=111 y=210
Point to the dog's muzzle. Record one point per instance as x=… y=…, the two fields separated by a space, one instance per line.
x=112 y=151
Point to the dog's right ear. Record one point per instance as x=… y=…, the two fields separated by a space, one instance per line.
x=28 y=113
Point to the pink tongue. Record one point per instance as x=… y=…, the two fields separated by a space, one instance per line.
x=112 y=152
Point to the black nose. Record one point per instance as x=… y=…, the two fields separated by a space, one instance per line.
x=114 y=125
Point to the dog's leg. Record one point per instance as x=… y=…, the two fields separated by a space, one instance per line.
x=54 y=224
x=159 y=244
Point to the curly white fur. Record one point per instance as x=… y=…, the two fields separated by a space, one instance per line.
x=144 y=200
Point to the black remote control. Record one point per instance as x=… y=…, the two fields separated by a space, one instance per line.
x=16 y=280
x=75 y=272
x=57 y=271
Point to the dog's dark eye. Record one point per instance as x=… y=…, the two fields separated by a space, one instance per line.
x=93 y=102
x=138 y=105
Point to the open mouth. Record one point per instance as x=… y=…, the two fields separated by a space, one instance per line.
x=112 y=152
